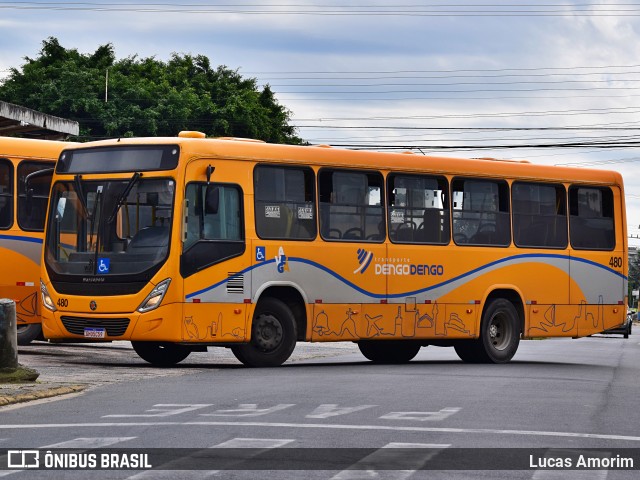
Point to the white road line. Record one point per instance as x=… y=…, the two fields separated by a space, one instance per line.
x=329 y=426
x=88 y=443
x=259 y=444
x=388 y=455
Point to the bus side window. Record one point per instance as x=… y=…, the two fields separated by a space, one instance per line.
x=481 y=212
x=418 y=209
x=351 y=205
x=539 y=215
x=284 y=202
x=591 y=218
x=34 y=197
x=6 y=194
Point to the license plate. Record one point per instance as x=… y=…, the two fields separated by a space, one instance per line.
x=94 y=332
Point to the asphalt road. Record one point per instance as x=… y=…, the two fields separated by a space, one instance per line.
x=339 y=415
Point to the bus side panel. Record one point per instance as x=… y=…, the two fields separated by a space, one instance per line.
x=220 y=322
x=552 y=321
x=598 y=284
x=333 y=322
x=19 y=273
x=337 y=278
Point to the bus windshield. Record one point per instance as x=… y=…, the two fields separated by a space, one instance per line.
x=109 y=227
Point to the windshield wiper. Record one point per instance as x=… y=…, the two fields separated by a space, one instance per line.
x=78 y=182
x=123 y=196
x=92 y=218
x=93 y=223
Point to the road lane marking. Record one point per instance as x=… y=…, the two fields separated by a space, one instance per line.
x=163 y=410
x=422 y=416
x=248 y=410
x=88 y=443
x=492 y=431
x=389 y=455
x=260 y=445
x=327 y=410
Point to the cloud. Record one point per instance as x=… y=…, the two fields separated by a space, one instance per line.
x=399 y=72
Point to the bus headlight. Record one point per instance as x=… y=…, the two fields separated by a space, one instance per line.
x=154 y=299
x=47 y=301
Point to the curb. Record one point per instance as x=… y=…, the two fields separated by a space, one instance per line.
x=40 y=394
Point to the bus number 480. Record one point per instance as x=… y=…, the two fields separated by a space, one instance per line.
x=615 y=262
x=63 y=302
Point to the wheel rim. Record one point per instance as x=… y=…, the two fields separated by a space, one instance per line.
x=268 y=333
x=500 y=331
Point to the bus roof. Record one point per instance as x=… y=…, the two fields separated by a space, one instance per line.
x=31 y=148
x=323 y=155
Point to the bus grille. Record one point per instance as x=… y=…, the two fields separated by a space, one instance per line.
x=115 y=327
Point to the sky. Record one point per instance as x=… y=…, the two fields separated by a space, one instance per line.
x=551 y=82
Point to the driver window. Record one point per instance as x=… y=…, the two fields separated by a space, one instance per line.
x=207 y=223
x=214 y=226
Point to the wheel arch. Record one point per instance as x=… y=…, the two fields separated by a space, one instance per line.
x=293 y=298
x=513 y=295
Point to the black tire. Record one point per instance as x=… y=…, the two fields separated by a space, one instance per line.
x=273 y=335
x=499 y=335
x=28 y=333
x=469 y=351
x=628 y=332
x=161 y=354
x=389 y=351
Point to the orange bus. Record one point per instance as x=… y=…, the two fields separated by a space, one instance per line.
x=26 y=167
x=179 y=244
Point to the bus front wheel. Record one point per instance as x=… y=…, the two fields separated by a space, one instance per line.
x=28 y=333
x=499 y=335
x=161 y=354
x=273 y=335
x=389 y=351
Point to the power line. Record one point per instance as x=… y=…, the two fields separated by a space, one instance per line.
x=330 y=9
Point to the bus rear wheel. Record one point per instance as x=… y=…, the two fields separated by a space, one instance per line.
x=389 y=351
x=273 y=335
x=499 y=335
x=161 y=354
x=28 y=333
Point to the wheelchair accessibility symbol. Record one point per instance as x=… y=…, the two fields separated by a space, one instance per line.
x=260 y=254
x=103 y=265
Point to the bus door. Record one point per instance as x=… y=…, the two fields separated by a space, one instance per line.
x=598 y=258
x=214 y=261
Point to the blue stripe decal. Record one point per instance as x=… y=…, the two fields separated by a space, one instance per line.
x=215 y=285
x=422 y=290
x=368 y=262
x=21 y=239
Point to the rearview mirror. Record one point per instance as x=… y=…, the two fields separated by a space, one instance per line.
x=211 y=200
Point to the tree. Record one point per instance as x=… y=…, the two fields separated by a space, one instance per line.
x=146 y=96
